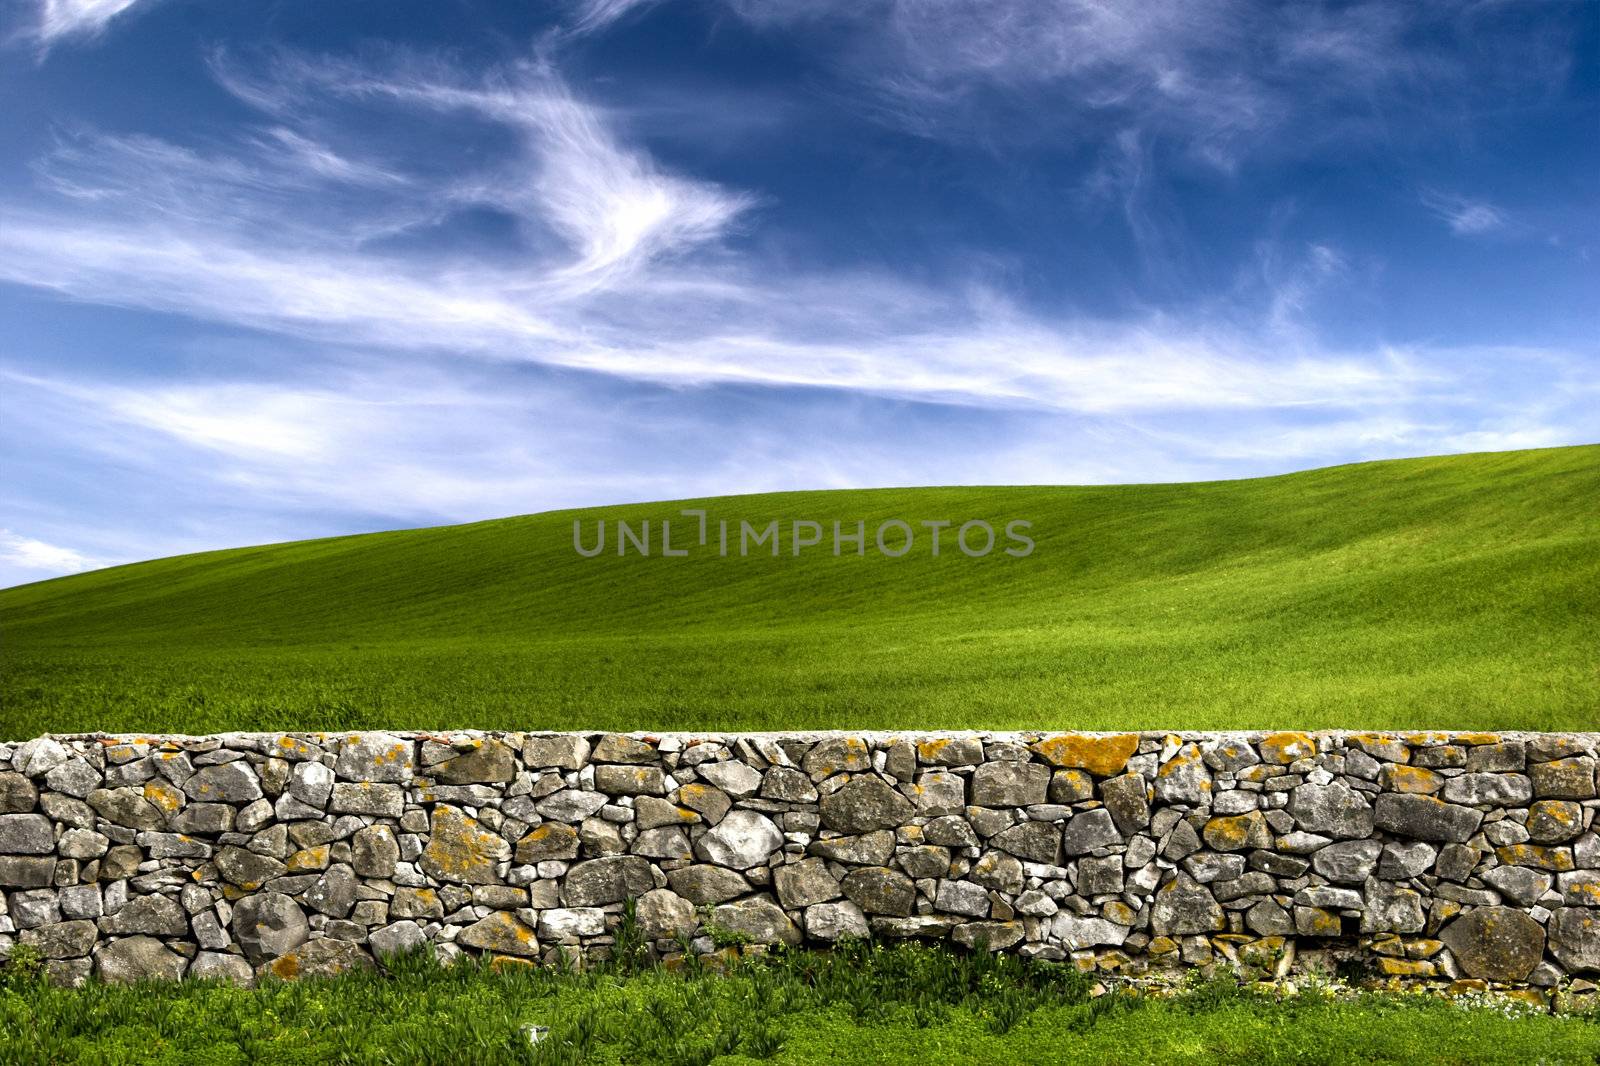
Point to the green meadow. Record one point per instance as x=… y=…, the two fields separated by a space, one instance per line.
x=904 y=1006
x=1452 y=592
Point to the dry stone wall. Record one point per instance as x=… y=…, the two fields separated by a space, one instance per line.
x=1436 y=856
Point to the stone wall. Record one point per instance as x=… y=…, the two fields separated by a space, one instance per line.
x=1436 y=855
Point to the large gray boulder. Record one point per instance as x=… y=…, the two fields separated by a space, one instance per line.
x=268 y=924
x=741 y=840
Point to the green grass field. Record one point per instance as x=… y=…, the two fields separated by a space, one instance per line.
x=1461 y=591
x=905 y=1006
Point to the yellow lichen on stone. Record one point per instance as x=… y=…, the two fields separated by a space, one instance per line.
x=308 y=859
x=163 y=795
x=1476 y=739
x=1104 y=756
x=1284 y=748
x=1162 y=945
x=1558 y=860
x=1398 y=777
x=1406 y=967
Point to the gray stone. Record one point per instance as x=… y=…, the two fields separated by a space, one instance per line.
x=1010 y=784
x=608 y=880
x=489 y=762
x=864 y=803
x=326 y=957
x=560 y=752
x=829 y=922
x=139 y=958
x=800 y=884
x=837 y=755
x=204 y=818
x=662 y=913
x=502 y=933
x=880 y=890
x=267 y=925
x=1425 y=818
x=381 y=800
x=961 y=897
x=75 y=777
x=35 y=908
x=1034 y=841
x=173 y=846
x=1335 y=809
x=1554 y=821
x=1349 y=861
x=247 y=869
x=666 y=842
x=17 y=793
x=374 y=851
x=1575 y=938
x=312 y=784
x=788 y=785
x=741 y=840
x=1127 y=798
x=703 y=884
x=26 y=834
x=1500 y=790
x=758 y=919
x=1519 y=884
x=377 y=757
x=1402 y=860
x=335 y=891
x=1267 y=918
x=999 y=871
x=734 y=778
x=81 y=901
x=1571 y=778
x=217 y=966
x=1100 y=877
x=1184 y=778
x=1184 y=907
x=570 y=805
x=232 y=782
x=126 y=807
x=570 y=924
x=1389 y=908
x=1495 y=943
x=629 y=780
x=988 y=936
x=1078 y=932
x=950 y=832
x=1090 y=830
x=82 y=844
x=156 y=915
x=619 y=748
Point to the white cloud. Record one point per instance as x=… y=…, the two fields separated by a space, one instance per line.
x=75 y=18
x=1466 y=217
x=43 y=560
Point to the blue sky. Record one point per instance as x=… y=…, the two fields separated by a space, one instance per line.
x=291 y=269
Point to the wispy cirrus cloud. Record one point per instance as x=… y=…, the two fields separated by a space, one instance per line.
x=1465 y=216
x=77 y=18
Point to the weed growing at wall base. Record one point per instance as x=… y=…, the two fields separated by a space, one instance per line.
x=861 y=1005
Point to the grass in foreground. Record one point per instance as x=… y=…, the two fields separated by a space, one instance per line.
x=1454 y=592
x=904 y=1005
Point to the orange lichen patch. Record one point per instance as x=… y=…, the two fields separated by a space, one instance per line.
x=1583 y=891
x=163 y=795
x=1532 y=996
x=1467 y=986
x=930 y=750
x=1316 y=921
x=1423 y=948
x=1424 y=740
x=1161 y=945
x=1260 y=772
x=296 y=746
x=1119 y=912
x=1398 y=777
x=502 y=963
x=1101 y=756
x=286 y=967
x=1558 y=860
x=1391 y=946
x=1406 y=968
x=1385 y=746
x=232 y=893
x=1477 y=738
x=1239 y=831
x=1285 y=748
x=308 y=859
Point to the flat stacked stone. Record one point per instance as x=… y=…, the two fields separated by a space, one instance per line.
x=1443 y=855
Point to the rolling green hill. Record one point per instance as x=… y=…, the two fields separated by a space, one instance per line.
x=1461 y=591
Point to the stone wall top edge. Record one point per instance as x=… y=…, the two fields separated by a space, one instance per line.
x=1444 y=735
